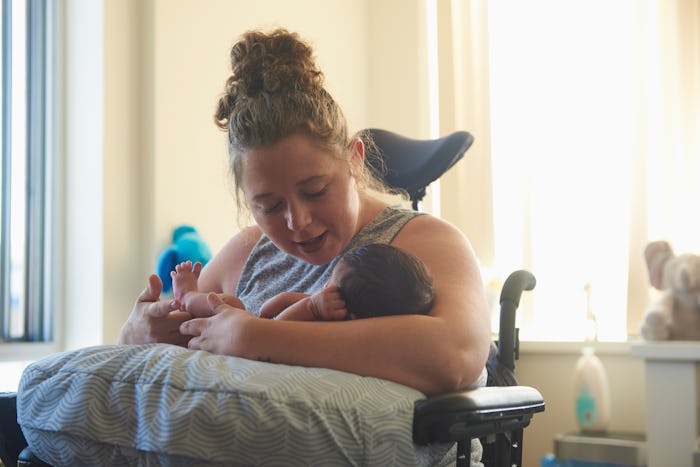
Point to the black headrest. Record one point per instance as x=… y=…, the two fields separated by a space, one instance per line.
x=412 y=164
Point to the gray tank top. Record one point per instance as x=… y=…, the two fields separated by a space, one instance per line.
x=269 y=271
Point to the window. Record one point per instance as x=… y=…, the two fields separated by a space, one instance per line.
x=586 y=117
x=594 y=108
x=27 y=171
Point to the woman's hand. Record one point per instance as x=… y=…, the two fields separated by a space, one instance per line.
x=152 y=320
x=217 y=334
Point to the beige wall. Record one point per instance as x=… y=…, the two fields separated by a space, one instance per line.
x=550 y=368
x=397 y=73
x=191 y=42
x=164 y=65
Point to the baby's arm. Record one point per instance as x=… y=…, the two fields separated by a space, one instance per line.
x=326 y=305
x=274 y=306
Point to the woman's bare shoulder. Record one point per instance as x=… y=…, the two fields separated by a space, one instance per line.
x=430 y=232
x=221 y=274
x=443 y=248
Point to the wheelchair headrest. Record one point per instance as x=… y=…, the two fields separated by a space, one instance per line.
x=413 y=164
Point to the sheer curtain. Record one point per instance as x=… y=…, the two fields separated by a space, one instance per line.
x=587 y=116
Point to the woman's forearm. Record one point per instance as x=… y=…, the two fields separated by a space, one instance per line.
x=422 y=352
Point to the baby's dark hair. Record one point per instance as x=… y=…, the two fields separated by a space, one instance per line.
x=385 y=280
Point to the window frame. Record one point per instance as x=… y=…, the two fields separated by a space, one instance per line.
x=40 y=231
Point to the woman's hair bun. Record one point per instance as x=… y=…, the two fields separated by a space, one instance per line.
x=276 y=90
x=266 y=64
x=273 y=62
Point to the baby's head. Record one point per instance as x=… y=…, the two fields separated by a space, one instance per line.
x=382 y=280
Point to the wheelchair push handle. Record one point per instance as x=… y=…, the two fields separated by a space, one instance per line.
x=508 y=340
x=515 y=284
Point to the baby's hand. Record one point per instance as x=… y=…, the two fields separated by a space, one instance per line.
x=185 y=278
x=328 y=305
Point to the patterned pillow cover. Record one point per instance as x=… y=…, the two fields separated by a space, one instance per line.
x=164 y=405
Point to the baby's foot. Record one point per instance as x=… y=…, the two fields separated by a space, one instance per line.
x=185 y=278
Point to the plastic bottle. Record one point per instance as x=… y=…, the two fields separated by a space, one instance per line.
x=591 y=385
x=592 y=393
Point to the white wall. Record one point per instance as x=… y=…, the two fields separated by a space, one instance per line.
x=550 y=368
x=81 y=151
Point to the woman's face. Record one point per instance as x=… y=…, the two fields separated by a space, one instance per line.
x=302 y=197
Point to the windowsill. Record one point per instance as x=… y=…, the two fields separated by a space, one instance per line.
x=676 y=351
x=575 y=348
x=11 y=374
x=16 y=351
x=14 y=358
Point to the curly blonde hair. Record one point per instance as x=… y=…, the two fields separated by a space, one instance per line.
x=276 y=90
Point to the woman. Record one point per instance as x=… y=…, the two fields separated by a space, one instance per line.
x=304 y=180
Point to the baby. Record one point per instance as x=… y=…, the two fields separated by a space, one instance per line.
x=368 y=281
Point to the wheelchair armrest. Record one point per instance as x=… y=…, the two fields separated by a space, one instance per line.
x=474 y=413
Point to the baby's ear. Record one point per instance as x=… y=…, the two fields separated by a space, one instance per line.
x=656 y=255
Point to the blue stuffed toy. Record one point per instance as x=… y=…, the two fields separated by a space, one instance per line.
x=187 y=244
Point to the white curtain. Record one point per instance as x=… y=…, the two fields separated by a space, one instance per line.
x=586 y=118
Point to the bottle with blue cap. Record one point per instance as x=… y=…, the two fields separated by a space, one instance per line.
x=590 y=381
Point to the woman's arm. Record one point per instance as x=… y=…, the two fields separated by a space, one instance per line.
x=436 y=353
